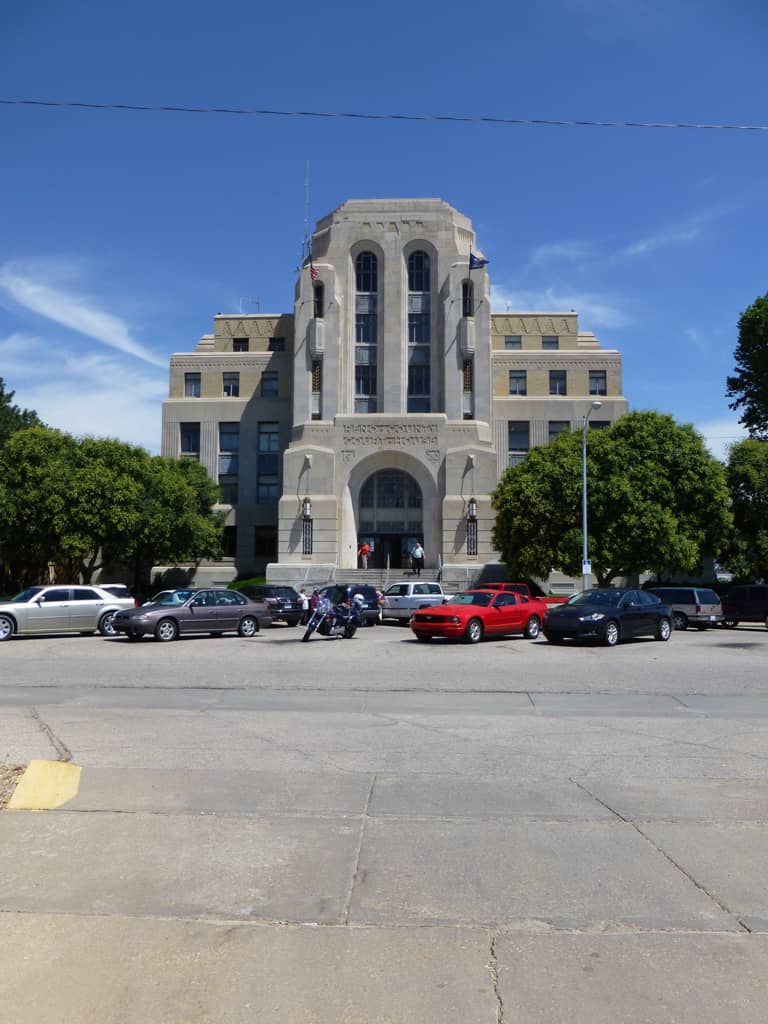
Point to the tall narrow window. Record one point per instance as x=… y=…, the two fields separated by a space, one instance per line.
x=467 y=298
x=550 y=342
x=366 y=331
x=268 y=464
x=468 y=389
x=419 y=333
x=512 y=342
x=191 y=385
x=229 y=462
x=319 y=297
x=240 y=345
x=558 y=382
x=317 y=389
x=276 y=345
x=558 y=427
x=519 y=440
x=597 y=382
x=269 y=384
x=518 y=382
x=231 y=385
x=189 y=438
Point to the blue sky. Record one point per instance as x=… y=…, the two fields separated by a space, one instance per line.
x=123 y=233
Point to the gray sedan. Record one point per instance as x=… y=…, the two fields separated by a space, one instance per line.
x=61 y=609
x=214 y=611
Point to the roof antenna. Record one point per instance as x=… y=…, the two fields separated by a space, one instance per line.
x=306 y=245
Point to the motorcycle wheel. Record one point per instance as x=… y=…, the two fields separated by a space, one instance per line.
x=311 y=627
x=349 y=631
x=324 y=629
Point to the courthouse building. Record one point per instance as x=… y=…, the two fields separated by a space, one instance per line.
x=386 y=405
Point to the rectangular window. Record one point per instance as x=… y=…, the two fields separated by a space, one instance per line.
x=189 y=437
x=467 y=388
x=191 y=385
x=597 y=382
x=558 y=427
x=550 y=342
x=265 y=542
x=418 y=328
x=558 y=382
x=229 y=542
x=317 y=389
x=519 y=440
x=599 y=424
x=229 y=462
x=512 y=342
x=518 y=382
x=240 y=345
x=419 y=380
x=229 y=437
x=269 y=384
x=472 y=537
x=231 y=385
x=268 y=464
x=228 y=488
x=276 y=345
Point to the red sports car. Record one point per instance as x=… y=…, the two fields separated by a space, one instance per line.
x=473 y=614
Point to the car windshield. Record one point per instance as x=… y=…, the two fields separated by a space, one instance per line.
x=174 y=597
x=610 y=597
x=26 y=595
x=472 y=597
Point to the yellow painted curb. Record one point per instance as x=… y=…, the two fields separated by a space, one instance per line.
x=45 y=785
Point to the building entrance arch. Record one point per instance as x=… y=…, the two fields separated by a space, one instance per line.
x=390 y=517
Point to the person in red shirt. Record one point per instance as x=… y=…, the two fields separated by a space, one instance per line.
x=363 y=551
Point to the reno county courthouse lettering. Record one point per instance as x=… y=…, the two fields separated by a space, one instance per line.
x=386 y=406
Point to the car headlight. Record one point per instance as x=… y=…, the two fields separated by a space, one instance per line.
x=454 y=619
x=594 y=617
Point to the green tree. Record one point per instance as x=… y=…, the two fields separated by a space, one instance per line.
x=748 y=483
x=657 y=501
x=748 y=386
x=12 y=418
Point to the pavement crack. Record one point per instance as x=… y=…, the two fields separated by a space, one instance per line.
x=356 y=869
x=493 y=967
x=62 y=750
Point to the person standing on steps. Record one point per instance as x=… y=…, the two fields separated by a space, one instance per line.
x=418 y=558
x=363 y=551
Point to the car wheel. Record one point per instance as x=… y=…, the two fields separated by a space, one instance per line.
x=166 y=630
x=663 y=629
x=105 y=624
x=679 y=621
x=423 y=639
x=474 y=631
x=553 y=639
x=611 y=634
x=532 y=628
x=733 y=623
x=248 y=626
x=6 y=627
x=292 y=622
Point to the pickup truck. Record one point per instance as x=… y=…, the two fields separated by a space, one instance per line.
x=402 y=599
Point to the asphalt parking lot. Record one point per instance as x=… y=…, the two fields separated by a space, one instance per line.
x=379 y=830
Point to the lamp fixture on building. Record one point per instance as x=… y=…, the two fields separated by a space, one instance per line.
x=586 y=565
x=472 y=509
x=306 y=508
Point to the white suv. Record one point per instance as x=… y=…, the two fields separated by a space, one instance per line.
x=402 y=599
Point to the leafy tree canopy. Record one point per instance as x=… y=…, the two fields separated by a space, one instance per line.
x=749 y=384
x=748 y=482
x=12 y=418
x=657 y=501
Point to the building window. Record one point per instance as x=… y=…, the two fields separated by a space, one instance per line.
x=269 y=384
x=229 y=462
x=518 y=382
x=240 y=345
x=265 y=542
x=276 y=345
x=229 y=542
x=268 y=464
x=558 y=382
x=550 y=342
x=307 y=538
x=519 y=440
x=189 y=438
x=318 y=293
x=472 y=537
x=231 y=385
x=317 y=389
x=366 y=331
x=512 y=342
x=599 y=424
x=558 y=427
x=597 y=382
x=419 y=332
x=191 y=385
x=467 y=298
x=468 y=388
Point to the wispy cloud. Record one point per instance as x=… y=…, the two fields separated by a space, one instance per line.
x=72 y=311
x=593 y=310
x=680 y=232
x=563 y=252
x=719 y=434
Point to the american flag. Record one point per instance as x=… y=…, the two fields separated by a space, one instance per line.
x=314 y=273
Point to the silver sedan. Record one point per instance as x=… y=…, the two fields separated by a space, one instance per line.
x=61 y=609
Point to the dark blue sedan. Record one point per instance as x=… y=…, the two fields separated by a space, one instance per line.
x=609 y=616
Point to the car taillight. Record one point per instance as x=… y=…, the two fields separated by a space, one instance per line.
x=135 y=603
x=698 y=609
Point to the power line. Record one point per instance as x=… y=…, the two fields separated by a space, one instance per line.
x=453 y=118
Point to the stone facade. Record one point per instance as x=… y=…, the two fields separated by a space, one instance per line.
x=387 y=406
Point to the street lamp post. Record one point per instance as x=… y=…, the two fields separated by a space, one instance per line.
x=586 y=567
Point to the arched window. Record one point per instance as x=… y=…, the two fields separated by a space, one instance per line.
x=366 y=331
x=419 y=332
x=319 y=297
x=467 y=298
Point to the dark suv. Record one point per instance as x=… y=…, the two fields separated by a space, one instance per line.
x=337 y=593
x=283 y=602
x=746 y=604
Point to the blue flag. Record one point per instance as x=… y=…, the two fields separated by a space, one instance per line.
x=476 y=262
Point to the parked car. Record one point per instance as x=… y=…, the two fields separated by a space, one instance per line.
x=747 y=603
x=283 y=602
x=473 y=614
x=691 y=606
x=118 y=589
x=176 y=596
x=514 y=588
x=609 y=616
x=213 y=610
x=61 y=609
x=403 y=598
x=339 y=593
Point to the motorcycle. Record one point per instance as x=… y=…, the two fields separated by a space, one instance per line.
x=333 y=620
